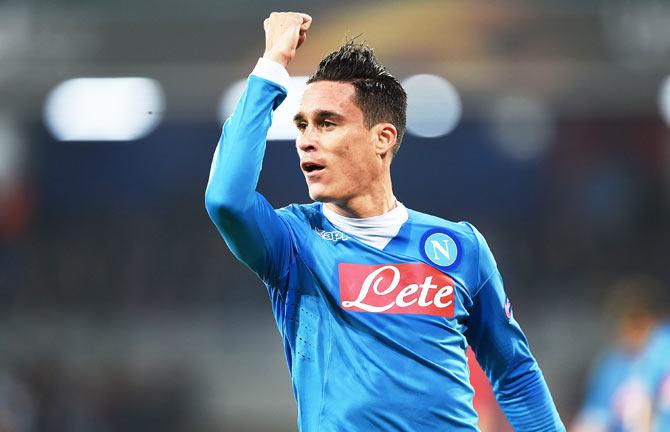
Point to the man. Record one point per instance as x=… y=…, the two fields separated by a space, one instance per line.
x=653 y=371
x=628 y=377
x=616 y=398
x=375 y=303
x=652 y=368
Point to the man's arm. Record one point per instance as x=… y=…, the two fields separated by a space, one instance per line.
x=247 y=222
x=502 y=351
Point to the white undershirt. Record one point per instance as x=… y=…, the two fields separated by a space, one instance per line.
x=375 y=231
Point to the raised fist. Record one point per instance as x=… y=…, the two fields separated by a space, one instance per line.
x=284 y=33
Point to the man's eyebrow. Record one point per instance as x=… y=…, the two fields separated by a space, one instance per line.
x=320 y=115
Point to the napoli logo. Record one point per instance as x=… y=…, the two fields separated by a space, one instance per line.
x=440 y=248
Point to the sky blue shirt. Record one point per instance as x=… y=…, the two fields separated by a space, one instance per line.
x=607 y=396
x=653 y=368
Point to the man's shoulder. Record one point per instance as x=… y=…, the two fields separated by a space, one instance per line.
x=462 y=229
x=658 y=344
x=302 y=210
x=302 y=214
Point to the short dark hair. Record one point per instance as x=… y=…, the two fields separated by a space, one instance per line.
x=637 y=295
x=378 y=93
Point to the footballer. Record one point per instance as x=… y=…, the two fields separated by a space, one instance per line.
x=376 y=303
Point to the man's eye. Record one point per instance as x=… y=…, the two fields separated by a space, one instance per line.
x=328 y=123
x=301 y=126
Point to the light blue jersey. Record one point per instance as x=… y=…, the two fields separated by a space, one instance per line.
x=653 y=369
x=375 y=339
x=611 y=392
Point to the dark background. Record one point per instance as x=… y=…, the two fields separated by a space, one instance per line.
x=122 y=309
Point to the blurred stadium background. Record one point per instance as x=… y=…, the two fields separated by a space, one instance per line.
x=546 y=124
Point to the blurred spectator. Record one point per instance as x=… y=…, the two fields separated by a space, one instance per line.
x=616 y=397
x=652 y=372
x=17 y=409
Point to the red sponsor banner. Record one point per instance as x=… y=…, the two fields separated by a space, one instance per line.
x=415 y=288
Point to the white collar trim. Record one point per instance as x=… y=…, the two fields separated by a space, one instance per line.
x=375 y=231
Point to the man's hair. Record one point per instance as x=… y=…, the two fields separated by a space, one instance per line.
x=377 y=93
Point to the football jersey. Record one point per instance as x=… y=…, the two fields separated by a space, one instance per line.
x=613 y=396
x=653 y=369
x=375 y=338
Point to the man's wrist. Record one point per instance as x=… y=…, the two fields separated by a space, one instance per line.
x=276 y=57
x=271 y=70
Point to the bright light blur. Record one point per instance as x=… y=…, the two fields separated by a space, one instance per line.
x=282 y=122
x=523 y=126
x=433 y=105
x=664 y=100
x=122 y=308
x=104 y=109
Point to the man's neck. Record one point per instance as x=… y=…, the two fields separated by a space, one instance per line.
x=375 y=203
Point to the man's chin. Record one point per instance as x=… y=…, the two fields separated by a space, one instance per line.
x=318 y=194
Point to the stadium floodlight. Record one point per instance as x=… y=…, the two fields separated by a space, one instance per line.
x=104 y=109
x=664 y=100
x=433 y=105
x=282 y=121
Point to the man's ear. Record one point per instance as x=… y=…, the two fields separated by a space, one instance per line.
x=386 y=136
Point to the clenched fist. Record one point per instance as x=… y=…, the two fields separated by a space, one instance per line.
x=284 y=33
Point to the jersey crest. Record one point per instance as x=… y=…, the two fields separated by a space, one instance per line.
x=441 y=247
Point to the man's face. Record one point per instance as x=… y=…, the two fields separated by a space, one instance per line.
x=337 y=152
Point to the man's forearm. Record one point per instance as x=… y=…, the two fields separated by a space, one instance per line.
x=244 y=218
x=253 y=231
x=527 y=403
x=238 y=157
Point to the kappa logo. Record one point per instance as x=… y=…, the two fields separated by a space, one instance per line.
x=331 y=235
x=441 y=248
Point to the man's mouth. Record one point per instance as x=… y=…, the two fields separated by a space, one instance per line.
x=311 y=167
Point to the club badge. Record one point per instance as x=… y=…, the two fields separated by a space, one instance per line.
x=441 y=248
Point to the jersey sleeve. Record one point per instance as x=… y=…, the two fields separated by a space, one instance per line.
x=502 y=350
x=252 y=229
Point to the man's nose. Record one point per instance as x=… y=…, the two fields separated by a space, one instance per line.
x=307 y=141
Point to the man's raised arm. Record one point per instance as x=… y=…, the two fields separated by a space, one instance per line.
x=247 y=222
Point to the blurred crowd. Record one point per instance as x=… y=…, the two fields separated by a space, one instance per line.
x=121 y=309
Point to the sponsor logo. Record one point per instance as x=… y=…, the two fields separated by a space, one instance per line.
x=415 y=288
x=331 y=235
x=440 y=248
x=508 y=309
